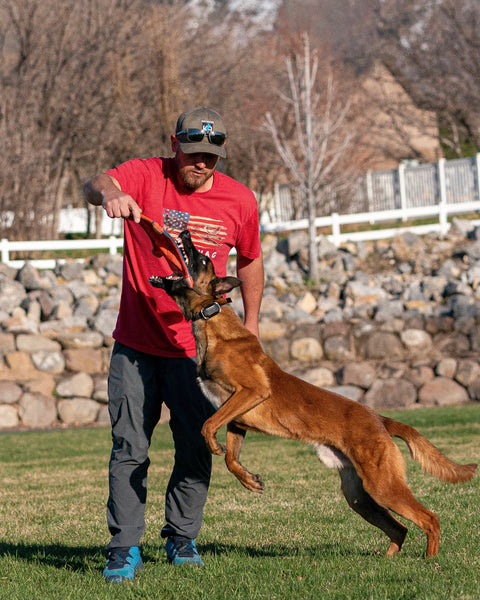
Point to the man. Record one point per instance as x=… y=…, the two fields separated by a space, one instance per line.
x=153 y=358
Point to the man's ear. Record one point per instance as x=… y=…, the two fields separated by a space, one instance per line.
x=223 y=285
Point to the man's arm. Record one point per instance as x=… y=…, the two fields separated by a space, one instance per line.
x=104 y=190
x=250 y=271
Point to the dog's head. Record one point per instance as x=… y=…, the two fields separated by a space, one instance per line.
x=206 y=285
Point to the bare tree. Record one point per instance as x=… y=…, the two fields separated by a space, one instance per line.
x=84 y=84
x=432 y=48
x=321 y=136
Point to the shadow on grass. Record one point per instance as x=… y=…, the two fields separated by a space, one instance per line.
x=278 y=551
x=75 y=558
x=86 y=558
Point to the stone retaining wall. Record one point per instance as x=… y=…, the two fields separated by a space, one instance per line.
x=393 y=324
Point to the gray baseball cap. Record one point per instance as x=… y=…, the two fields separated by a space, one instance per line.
x=201 y=129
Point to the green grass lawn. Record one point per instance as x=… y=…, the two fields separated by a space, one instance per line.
x=297 y=540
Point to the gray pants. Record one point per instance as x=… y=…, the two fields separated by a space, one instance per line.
x=138 y=383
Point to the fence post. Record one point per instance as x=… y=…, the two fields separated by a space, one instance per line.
x=442 y=185
x=477 y=164
x=401 y=189
x=369 y=187
x=4 y=250
x=113 y=246
x=336 y=229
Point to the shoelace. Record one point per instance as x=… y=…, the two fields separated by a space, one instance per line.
x=184 y=547
x=118 y=557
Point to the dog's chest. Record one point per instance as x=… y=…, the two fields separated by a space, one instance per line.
x=214 y=393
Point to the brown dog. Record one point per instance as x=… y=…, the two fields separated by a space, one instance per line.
x=253 y=393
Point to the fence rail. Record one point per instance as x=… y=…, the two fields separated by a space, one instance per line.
x=112 y=244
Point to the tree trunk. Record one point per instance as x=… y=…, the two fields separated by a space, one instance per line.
x=312 y=239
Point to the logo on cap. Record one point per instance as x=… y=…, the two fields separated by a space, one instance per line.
x=207 y=126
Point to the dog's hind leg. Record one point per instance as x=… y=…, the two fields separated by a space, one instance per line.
x=384 y=479
x=366 y=507
x=235 y=437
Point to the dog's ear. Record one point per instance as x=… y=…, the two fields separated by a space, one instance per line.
x=223 y=285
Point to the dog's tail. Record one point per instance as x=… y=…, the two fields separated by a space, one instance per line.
x=430 y=458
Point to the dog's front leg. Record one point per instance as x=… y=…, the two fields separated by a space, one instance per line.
x=235 y=437
x=239 y=403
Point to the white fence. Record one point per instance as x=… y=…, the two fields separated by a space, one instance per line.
x=112 y=244
x=335 y=221
x=436 y=191
x=409 y=186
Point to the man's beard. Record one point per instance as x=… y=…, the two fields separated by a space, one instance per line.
x=191 y=182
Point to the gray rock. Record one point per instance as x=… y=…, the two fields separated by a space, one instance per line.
x=339 y=348
x=36 y=343
x=359 y=374
x=10 y=392
x=78 y=288
x=103 y=417
x=12 y=294
x=473 y=251
x=391 y=393
x=105 y=321
x=37 y=410
x=100 y=392
x=388 y=309
x=51 y=362
x=467 y=371
x=416 y=341
x=349 y=391
x=446 y=367
x=298 y=315
x=474 y=389
x=8 y=417
x=441 y=391
x=306 y=350
x=297 y=240
x=80 y=339
x=364 y=294
x=69 y=270
x=29 y=277
x=19 y=322
x=320 y=377
x=419 y=375
x=7 y=343
x=325 y=247
x=80 y=384
x=383 y=345
x=78 y=411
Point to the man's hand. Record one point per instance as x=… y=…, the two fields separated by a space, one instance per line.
x=104 y=190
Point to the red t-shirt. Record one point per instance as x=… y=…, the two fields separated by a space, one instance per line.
x=224 y=217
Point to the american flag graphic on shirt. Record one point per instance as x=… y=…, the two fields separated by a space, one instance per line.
x=204 y=231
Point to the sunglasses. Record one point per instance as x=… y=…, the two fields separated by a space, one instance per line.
x=197 y=135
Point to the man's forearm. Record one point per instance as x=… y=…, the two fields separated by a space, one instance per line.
x=104 y=190
x=252 y=275
x=98 y=187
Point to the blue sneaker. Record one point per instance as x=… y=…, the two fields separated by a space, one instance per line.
x=182 y=551
x=122 y=564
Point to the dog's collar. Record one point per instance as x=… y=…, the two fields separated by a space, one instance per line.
x=209 y=311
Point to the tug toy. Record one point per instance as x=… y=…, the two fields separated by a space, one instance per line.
x=164 y=245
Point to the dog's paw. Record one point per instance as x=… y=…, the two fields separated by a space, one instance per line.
x=254 y=483
x=217 y=448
